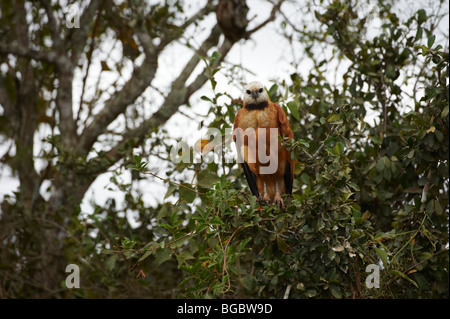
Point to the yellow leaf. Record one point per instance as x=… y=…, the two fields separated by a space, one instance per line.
x=204 y=146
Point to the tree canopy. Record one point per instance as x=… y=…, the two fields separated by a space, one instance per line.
x=83 y=93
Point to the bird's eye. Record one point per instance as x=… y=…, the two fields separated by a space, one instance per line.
x=248 y=92
x=260 y=90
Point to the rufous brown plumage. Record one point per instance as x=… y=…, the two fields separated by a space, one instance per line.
x=267 y=164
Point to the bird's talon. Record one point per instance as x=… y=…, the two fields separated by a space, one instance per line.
x=264 y=200
x=279 y=202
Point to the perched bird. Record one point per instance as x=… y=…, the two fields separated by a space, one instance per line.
x=267 y=165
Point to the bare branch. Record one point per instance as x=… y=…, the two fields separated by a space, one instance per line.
x=25 y=52
x=136 y=85
x=53 y=25
x=207 y=9
x=142 y=78
x=89 y=62
x=77 y=37
x=178 y=96
x=272 y=16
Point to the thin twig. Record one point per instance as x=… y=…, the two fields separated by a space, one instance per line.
x=145 y=249
x=172 y=182
x=276 y=7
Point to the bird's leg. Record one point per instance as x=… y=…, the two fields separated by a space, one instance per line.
x=265 y=198
x=278 y=200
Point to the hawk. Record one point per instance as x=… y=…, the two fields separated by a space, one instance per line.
x=267 y=165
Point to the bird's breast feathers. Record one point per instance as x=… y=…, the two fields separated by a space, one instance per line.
x=258 y=118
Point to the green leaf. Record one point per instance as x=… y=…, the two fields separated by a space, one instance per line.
x=294 y=110
x=309 y=91
x=273 y=93
x=366 y=215
x=444 y=112
x=431 y=41
x=334 y=119
x=380 y=165
x=127 y=243
x=111 y=262
x=162 y=255
x=303 y=142
x=132 y=166
x=213 y=83
x=187 y=193
x=390 y=71
x=214 y=72
x=421 y=16
x=304 y=177
x=336 y=292
x=438 y=208
x=207 y=179
x=150 y=251
x=249 y=282
x=253 y=202
x=422 y=181
x=170 y=190
x=397 y=273
x=338 y=149
x=383 y=255
x=353 y=185
x=243 y=243
x=346 y=196
x=281 y=243
x=419 y=33
x=214 y=57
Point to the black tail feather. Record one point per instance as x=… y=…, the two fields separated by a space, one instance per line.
x=251 y=179
x=288 y=180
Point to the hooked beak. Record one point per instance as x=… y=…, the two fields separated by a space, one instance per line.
x=255 y=94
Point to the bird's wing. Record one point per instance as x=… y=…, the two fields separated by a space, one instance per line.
x=283 y=123
x=249 y=175
x=285 y=131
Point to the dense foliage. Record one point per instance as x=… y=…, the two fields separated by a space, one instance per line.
x=364 y=193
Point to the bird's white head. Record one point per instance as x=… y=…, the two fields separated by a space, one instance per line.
x=255 y=97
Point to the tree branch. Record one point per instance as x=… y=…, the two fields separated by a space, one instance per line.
x=207 y=9
x=24 y=111
x=272 y=16
x=53 y=25
x=136 y=85
x=142 y=78
x=77 y=38
x=178 y=96
x=25 y=52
